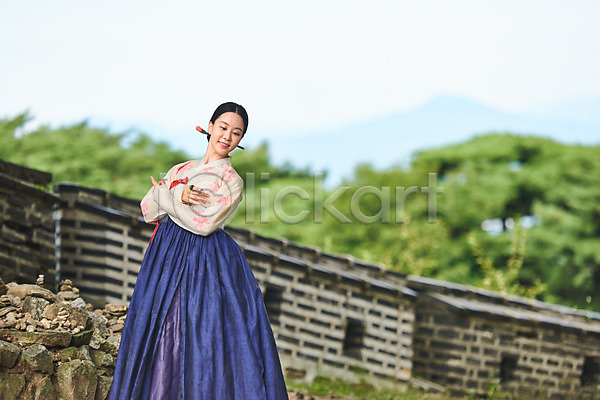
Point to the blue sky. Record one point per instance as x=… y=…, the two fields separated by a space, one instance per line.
x=296 y=65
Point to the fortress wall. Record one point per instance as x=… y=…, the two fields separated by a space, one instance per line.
x=471 y=346
x=331 y=314
x=315 y=255
x=334 y=323
x=102 y=246
x=27 y=241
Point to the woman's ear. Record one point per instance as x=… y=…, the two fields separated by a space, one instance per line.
x=210 y=125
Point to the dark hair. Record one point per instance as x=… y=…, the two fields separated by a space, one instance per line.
x=234 y=108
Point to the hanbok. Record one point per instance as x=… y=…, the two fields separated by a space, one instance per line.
x=197 y=327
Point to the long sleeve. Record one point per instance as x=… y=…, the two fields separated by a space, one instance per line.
x=216 y=178
x=224 y=197
x=151 y=211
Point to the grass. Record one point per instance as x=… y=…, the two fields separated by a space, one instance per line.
x=322 y=386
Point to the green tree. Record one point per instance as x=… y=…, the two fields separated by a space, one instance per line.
x=494 y=176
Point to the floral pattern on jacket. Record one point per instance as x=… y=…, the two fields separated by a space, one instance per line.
x=217 y=178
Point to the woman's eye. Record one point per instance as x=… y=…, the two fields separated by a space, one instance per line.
x=237 y=134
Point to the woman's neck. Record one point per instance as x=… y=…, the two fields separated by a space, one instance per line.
x=211 y=156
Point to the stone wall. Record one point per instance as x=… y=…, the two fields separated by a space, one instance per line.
x=333 y=322
x=27 y=247
x=531 y=351
x=102 y=242
x=330 y=314
x=56 y=346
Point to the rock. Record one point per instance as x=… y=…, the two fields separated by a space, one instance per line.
x=48 y=339
x=14 y=300
x=98 y=323
x=38 y=358
x=9 y=354
x=84 y=352
x=114 y=339
x=40 y=280
x=45 y=390
x=11 y=386
x=110 y=346
x=79 y=318
x=78 y=303
x=5 y=300
x=21 y=325
x=35 y=306
x=30 y=320
x=64 y=312
x=3 y=288
x=7 y=324
x=45 y=323
x=77 y=380
x=38 y=386
x=24 y=290
x=69 y=354
x=67 y=295
x=116 y=327
x=75 y=353
x=103 y=387
x=102 y=359
x=30 y=382
x=96 y=340
x=11 y=317
x=6 y=310
x=115 y=308
x=82 y=338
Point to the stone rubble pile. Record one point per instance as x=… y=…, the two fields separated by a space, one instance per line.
x=56 y=345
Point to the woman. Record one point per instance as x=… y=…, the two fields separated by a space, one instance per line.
x=197 y=327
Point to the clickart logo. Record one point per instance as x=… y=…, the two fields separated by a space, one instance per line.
x=262 y=202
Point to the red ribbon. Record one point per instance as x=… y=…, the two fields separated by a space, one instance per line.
x=178 y=181
x=155 y=229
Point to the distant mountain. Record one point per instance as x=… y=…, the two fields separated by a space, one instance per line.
x=391 y=139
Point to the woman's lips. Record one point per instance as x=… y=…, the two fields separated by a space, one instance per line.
x=224 y=145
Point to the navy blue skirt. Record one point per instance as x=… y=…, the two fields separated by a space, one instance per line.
x=197 y=327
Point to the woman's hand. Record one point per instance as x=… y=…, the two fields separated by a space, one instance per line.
x=193 y=196
x=156 y=184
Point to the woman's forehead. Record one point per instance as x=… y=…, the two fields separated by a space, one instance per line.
x=232 y=119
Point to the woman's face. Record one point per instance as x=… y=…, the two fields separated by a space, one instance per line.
x=225 y=133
